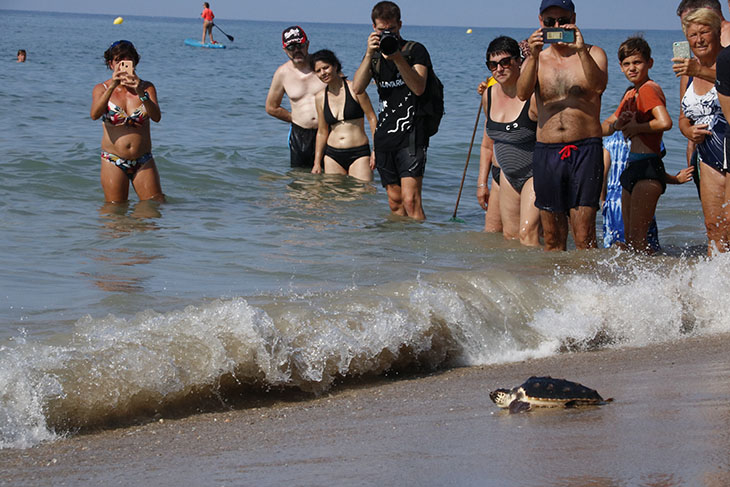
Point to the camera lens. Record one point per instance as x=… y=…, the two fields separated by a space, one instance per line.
x=388 y=43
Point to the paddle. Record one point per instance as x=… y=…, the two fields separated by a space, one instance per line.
x=230 y=38
x=468 y=155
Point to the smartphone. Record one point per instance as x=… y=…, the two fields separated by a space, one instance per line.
x=551 y=35
x=126 y=66
x=681 y=49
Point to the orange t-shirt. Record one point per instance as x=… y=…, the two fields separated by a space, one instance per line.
x=642 y=102
x=207 y=14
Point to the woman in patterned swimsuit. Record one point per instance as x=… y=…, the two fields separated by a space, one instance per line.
x=704 y=124
x=126 y=104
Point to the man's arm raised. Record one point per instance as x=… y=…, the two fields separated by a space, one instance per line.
x=528 y=73
x=593 y=60
x=364 y=73
x=414 y=76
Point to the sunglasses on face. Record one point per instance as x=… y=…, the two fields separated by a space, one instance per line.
x=551 y=21
x=294 y=47
x=505 y=62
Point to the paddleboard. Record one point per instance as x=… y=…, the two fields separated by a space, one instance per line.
x=196 y=43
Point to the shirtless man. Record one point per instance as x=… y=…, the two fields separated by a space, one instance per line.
x=568 y=80
x=296 y=79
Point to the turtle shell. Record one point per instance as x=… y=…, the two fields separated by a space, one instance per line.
x=559 y=390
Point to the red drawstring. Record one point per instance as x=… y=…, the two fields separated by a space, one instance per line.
x=566 y=151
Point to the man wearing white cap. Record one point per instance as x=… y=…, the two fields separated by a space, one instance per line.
x=297 y=80
x=568 y=79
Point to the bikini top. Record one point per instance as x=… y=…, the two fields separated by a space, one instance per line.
x=116 y=115
x=520 y=131
x=352 y=110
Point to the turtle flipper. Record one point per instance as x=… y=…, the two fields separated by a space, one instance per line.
x=519 y=407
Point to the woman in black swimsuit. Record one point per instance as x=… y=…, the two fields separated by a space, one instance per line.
x=510 y=135
x=341 y=140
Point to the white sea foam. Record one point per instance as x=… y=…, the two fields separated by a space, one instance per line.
x=119 y=370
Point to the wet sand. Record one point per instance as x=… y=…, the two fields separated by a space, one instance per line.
x=669 y=425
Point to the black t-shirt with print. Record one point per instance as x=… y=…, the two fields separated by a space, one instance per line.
x=398 y=104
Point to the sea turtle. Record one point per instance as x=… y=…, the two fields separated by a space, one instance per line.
x=546 y=392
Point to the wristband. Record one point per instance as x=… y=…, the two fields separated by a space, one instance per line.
x=481 y=185
x=145 y=97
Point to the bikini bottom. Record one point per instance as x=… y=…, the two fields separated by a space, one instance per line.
x=129 y=166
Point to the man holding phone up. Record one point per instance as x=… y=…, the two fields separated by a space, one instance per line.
x=568 y=79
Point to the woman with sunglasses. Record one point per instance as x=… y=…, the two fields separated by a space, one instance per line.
x=510 y=135
x=126 y=104
x=342 y=144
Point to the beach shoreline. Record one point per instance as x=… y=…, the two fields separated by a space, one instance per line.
x=667 y=425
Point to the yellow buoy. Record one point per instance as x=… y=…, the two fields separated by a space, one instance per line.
x=118 y=21
x=468 y=31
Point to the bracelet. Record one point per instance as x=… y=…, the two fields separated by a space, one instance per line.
x=481 y=185
x=145 y=97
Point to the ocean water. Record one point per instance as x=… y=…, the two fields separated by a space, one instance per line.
x=254 y=277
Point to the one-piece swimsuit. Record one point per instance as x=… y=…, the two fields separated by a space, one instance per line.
x=514 y=143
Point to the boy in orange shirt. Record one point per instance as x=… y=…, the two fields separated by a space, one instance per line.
x=642 y=117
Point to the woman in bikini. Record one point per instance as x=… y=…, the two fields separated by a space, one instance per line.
x=510 y=135
x=126 y=104
x=341 y=140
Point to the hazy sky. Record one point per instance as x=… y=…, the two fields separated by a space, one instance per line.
x=608 y=14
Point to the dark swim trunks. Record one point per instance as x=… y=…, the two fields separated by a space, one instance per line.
x=302 y=143
x=397 y=164
x=568 y=175
x=643 y=166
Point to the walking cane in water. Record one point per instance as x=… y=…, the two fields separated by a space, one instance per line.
x=468 y=155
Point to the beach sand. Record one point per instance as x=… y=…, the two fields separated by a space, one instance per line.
x=669 y=425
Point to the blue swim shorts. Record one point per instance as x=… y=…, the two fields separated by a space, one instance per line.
x=568 y=175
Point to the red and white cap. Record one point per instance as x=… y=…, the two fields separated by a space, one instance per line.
x=293 y=35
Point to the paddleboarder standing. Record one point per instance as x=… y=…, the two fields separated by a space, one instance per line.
x=208 y=17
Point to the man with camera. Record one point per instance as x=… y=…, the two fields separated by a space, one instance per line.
x=568 y=79
x=400 y=139
x=297 y=80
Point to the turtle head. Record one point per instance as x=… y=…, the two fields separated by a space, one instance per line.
x=502 y=397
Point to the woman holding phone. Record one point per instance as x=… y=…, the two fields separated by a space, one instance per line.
x=704 y=124
x=126 y=104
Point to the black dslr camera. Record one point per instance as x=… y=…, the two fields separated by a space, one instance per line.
x=388 y=42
